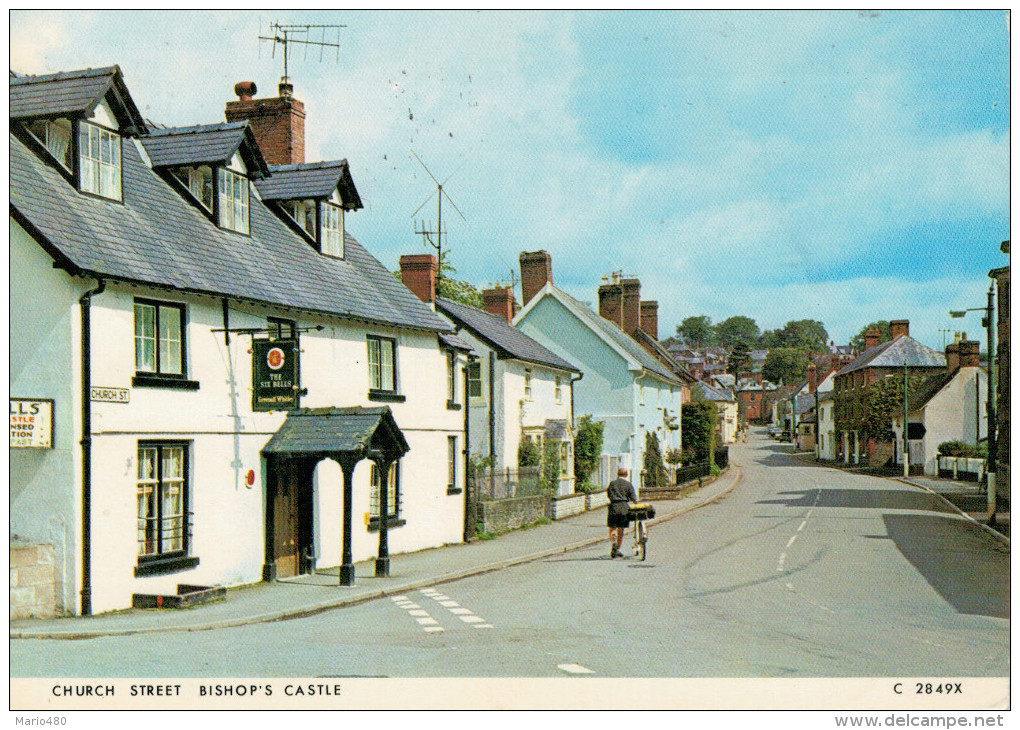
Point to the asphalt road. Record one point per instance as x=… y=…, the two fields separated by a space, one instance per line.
x=801 y=571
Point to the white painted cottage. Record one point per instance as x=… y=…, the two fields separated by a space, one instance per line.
x=238 y=389
x=624 y=385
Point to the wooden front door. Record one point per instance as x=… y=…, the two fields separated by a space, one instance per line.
x=286 y=518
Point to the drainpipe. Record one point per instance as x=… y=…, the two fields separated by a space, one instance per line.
x=467 y=449
x=492 y=409
x=86 y=446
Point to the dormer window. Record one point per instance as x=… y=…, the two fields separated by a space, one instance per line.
x=332 y=230
x=199 y=181
x=55 y=136
x=233 y=200
x=304 y=214
x=99 y=160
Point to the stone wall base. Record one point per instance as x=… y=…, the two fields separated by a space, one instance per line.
x=33 y=583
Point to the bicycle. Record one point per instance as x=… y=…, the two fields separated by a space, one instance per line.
x=638 y=513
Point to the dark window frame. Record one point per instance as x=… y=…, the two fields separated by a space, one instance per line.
x=157 y=378
x=174 y=560
x=394 y=519
x=393 y=394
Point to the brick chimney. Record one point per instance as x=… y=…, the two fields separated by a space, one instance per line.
x=418 y=272
x=871 y=338
x=952 y=357
x=969 y=356
x=631 y=305
x=899 y=327
x=812 y=378
x=650 y=319
x=499 y=302
x=278 y=124
x=536 y=272
x=611 y=301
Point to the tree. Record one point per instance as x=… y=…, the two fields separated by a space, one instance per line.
x=805 y=334
x=697 y=421
x=735 y=330
x=857 y=341
x=770 y=339
x=786 y=364
x=697 y=331
x=587 y=447
x=740 y=359
x=655 y=470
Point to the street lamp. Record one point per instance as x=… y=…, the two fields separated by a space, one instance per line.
x=989 y=324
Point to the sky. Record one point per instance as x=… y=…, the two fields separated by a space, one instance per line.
x=840 y=166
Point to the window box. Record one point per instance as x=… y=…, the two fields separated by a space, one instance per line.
x=373 y=524
x=149 y=380
x=164 y=566
x=385 y=396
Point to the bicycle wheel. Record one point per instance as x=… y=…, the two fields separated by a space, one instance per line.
x=642 y=541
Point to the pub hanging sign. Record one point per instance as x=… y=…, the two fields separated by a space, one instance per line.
x=275 y=375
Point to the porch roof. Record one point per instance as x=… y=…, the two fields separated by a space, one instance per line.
x=344 y=432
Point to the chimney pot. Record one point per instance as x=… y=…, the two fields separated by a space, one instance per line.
x=871 y=338
x=650 y=319
x=631 y=305
x=245 y=90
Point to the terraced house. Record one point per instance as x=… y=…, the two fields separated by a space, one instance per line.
x=220 y=384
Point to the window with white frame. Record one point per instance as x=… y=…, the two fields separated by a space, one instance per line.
x=392 y=492
x=332 y=230
x=382 y=370
x=233 y=200
x=159 y=338
x=527 y=383
x=99 y=160
x=451 y=378
x=162 y=497
x=55 y=136
x=559 y=389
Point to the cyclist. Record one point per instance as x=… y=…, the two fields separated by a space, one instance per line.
x=620 y=493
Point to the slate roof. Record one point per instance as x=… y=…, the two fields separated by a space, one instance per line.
x=72 y=94
x=454 y=342
x=209 y=144
x=711 y=393
x=353 y=431
x=557 y=429
x=615 y=335
x=156 y=237
x=501 y=335
x=315 y=180
x=678 y=369
x=893 y=353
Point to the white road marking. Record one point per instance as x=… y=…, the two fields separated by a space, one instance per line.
x=449 y=604
x=792 y=540
x=427 y=621
x=460 y=611
x=464 y=614
x=484 y=626
x=418 y=613
x=431 y=629
x=574 y=669
x=472 y=619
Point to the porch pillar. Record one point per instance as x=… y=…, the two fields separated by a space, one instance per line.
x=346 y=564
x=382 y=560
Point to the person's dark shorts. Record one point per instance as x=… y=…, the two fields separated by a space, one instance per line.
x=617 y=516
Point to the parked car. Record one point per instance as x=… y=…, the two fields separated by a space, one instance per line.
x=774 y=431
x=785 y=436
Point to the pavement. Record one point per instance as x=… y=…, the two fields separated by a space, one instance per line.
x=308 y=595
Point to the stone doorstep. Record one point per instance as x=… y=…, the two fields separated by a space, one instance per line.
x=186 y=596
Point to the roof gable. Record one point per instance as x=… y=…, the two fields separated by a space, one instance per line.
x=635 y=355
x=502 y=336
x=895 y=353
x=315 y=180
x=74 y=94
x=212 y=144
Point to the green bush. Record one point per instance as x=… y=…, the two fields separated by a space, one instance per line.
x=587 y=447
x=528 y=454
x=959 y=448
x=551 y=466
x=698 y=419
x=586 y=487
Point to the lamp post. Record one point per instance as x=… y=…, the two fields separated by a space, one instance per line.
x=989 y=324
x=906 y=429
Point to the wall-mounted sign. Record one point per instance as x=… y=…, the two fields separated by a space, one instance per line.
x=274 y=375
x=109 y=395
x=31 y=423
